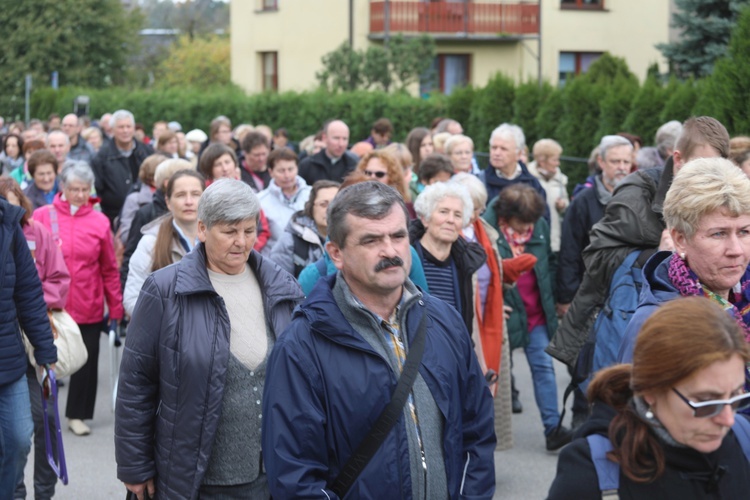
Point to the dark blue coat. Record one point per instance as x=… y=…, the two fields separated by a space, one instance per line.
x=174 y=367
x=21 y=300
x=494 y=184
x=325 y=386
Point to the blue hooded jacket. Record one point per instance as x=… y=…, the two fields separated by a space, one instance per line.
x=326 y=385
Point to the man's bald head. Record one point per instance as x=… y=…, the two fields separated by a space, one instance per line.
x=336 y=137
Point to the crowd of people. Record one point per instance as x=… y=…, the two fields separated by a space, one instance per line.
x=354 y=306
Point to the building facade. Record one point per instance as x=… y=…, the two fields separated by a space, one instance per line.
x=279 y=44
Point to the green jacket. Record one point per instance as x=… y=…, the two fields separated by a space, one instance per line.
x=539 y=247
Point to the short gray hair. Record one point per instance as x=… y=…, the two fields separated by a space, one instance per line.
x=666 y=137
x=475 y=187
x=227 y=201
x=370 y=200
x=57 y=132
x=76 y=170
x=427 y=201
x=612 y=141
x=121 y=114
x=704 y=186
x=514 y=132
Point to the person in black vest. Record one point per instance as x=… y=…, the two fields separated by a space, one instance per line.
x=334 y=161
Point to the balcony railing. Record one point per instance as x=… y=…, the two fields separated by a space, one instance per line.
x=454 y=18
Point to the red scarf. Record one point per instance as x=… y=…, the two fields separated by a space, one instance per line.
x=491 y=319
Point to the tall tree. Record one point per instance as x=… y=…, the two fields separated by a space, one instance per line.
x=704 y=27
x=87 y=42
x=201 y=63
x=726 y=93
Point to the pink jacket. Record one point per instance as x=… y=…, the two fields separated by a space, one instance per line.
x=49 y=264
x=88 y=248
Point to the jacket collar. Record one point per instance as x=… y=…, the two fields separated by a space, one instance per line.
x=63 y=206
x=192 y=277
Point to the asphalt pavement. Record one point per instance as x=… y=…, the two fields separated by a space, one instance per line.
x=524 y=472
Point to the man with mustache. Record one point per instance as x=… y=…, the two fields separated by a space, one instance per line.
x=335 y=368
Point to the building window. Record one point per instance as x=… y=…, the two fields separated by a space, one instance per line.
x=270 y=66
x=582 y=4
x=269 y=4
x=575 y=63
x=448 y=71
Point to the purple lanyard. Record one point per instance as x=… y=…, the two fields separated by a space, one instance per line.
x=57 y=463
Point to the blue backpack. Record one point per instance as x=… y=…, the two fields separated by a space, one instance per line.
x=608 y=472
x=603 y=343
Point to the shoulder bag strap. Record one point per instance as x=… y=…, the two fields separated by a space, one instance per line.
x=53 y=224
x=387 y=419
x=607 y=471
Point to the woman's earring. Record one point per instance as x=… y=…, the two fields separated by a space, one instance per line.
x=682 y=255
x=649 y=414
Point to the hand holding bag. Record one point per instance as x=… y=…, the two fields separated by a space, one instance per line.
x=71 y=351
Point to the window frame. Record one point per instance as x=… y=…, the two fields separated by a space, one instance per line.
x=579 y=5
x=269 y=5
x=274 y=76
x=577 y=55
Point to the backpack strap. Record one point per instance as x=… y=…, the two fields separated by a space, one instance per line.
x=300 y=254
x=607 y=471
x=741 y=429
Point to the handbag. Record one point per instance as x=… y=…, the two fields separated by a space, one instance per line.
x=71 y=351
x=387 y=418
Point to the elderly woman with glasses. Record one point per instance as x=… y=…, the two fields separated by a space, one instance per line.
x=460 y=149
x=707 y=211
x=668 y=419
x=87 y=245
x=188 y=413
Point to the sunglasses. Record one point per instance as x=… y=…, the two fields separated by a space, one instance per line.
x=379 y=175
x=707 y=409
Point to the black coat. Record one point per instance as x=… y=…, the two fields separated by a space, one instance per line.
x=468 y=256
x=174 y=368
x=116 y=174
x=494 y=184
x=585 y=210
x=318 y=167
x=723 y=474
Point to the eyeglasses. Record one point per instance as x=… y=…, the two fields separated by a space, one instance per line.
x=379 y=175
x=707 y=409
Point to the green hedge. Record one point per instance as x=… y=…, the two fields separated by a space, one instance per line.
x=606 y=100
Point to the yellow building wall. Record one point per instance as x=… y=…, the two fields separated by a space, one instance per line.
x=626 y=28
x=302 y=31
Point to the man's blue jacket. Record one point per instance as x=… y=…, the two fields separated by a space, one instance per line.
x=326 y=386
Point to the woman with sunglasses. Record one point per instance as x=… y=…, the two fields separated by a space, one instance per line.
x=707 y=212
x=670 y=415
x=382 y=166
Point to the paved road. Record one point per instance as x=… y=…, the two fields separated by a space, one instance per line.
x=525 y=472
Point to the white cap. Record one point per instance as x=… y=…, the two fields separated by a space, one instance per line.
x=174 y=126
x=196 y=135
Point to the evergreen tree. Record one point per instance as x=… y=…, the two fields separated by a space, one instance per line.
x=88 y=42
x=643 y=119
x=726 y=93
x=529 y=99
x=704 y=27
x=491 y=106
x=681 y=97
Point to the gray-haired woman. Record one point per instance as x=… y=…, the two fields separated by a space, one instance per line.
x=87 y=245
x=188 y=414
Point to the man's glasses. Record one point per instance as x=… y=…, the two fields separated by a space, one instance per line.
x=379 y=174
x=706 y=409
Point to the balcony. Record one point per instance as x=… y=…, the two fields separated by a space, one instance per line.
x=466 y=20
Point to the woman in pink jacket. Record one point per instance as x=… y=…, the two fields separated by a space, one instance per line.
x=55 y=283
x=87 y=245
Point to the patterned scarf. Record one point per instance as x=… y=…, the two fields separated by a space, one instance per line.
x=688 y=284
x=517 y=241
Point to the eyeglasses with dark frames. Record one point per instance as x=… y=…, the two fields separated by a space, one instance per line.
x=707 y=409
x=379 y=174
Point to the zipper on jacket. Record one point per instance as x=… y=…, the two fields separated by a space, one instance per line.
x=466 y=468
